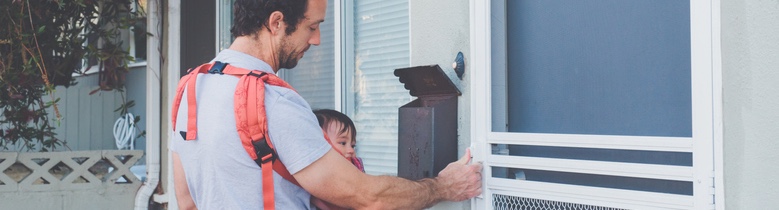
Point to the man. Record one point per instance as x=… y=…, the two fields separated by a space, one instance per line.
x=215 y=172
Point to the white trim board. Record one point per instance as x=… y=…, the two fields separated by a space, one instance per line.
x=173 y=61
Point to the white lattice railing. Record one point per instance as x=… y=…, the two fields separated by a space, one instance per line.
x=106 y=170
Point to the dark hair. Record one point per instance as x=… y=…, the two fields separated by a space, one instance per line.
x=326 y=116
x=249 y=16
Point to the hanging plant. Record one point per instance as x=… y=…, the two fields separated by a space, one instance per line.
x=42 y=44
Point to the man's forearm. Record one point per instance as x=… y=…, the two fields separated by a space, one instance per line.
x=457 y=182
x=391 y=192
x=337 y=181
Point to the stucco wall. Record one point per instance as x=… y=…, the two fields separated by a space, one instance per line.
x=439 y=29
x=750 y=68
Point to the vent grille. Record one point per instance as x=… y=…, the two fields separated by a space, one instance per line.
x=505 y=202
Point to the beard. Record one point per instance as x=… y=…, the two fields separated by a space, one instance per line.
x=288 y=57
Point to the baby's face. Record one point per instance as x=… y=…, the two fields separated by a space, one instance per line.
x=342 y=141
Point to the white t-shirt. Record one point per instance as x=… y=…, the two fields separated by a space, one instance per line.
x=220 y=174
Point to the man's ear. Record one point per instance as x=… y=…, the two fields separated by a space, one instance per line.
x=275 y=22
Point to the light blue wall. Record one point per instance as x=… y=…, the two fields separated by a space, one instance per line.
x=750 y=74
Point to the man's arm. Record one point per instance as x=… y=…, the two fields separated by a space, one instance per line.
x=180 y=184
x=335 y=180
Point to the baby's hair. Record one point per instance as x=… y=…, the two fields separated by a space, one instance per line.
x=326 y=116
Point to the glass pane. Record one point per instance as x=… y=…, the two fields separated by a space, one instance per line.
x=594 y=180
x=381 y=46
x=595 y=154
x=225 y=22
x=611 y=155
x=606 y=67
x=138 y=37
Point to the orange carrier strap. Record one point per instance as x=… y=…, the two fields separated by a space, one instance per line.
x=250 y=118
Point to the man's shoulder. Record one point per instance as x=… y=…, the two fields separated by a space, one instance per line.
x=281 y=95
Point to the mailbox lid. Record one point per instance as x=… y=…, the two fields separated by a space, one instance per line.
x=426 y=81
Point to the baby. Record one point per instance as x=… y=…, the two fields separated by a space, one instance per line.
x=341 y=132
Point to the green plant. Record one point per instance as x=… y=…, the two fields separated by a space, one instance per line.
x=42 y=44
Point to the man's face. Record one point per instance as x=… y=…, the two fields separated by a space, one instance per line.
x=294 y=45
x=344 y=142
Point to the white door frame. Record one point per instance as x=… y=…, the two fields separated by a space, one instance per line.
x=705 y=143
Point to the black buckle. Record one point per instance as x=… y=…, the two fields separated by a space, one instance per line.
x=262 y=149
x=251 y=73
x=217 y=68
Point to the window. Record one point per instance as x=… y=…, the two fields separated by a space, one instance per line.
x=133 y=39
x=137 y=36
x=225 y=21
x=596 y=104
x=373 y=94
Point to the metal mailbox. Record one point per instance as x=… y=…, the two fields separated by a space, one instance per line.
x=427 y=126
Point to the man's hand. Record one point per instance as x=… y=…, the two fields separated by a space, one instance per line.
x=459 y=180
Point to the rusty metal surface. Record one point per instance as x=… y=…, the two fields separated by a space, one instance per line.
x=426 y=81
x=427 y=126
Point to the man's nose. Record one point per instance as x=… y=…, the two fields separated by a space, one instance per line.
x=315 y=39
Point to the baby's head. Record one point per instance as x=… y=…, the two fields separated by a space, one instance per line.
x=340 y=129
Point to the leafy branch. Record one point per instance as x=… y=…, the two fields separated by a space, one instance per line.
x=43 y=43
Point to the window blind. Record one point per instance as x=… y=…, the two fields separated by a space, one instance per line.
x=381 y=44
x=313 y=76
